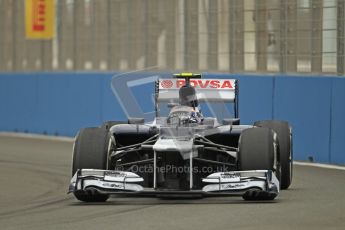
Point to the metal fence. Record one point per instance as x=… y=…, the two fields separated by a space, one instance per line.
x=284 y=36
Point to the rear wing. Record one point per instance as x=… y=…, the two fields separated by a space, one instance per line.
x=207 y=90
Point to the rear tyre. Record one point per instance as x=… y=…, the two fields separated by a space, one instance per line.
x=258 y=151
x=90 y=152
x=283 y=131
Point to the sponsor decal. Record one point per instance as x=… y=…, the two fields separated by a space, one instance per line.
x=232 y=186
x=40 y=19
x=112 y=185
x=167 y=83
x=203 y=84
x=115 y=174
x=198 y=83
x=231 y=175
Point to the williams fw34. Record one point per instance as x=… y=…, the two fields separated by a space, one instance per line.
x=183 y=152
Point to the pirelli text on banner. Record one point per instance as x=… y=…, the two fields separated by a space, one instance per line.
x=40 y=19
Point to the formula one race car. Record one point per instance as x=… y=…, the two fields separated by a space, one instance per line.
x=184 y=153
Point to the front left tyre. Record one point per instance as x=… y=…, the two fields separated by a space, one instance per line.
x=284 y=134
x=258 y=150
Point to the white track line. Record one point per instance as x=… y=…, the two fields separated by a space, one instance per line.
x=71 y=139
x=37 y=136
x=318 y=165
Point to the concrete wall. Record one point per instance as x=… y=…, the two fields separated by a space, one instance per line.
x=61 y=103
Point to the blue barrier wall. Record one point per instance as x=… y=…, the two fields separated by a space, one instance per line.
x=62 y=103
x=305 y=103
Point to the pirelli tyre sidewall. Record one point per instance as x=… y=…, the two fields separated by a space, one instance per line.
x=258 y=150
x=284 y=133
x=90 y=152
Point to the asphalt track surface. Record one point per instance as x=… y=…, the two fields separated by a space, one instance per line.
x=34 y=176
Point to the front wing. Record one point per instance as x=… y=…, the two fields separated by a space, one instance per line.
x=250 y=184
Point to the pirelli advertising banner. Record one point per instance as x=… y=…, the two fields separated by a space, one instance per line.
x=40 y=19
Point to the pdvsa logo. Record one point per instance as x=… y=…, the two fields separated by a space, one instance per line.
x=207 y=84
x=167 y=84
x=199 y=83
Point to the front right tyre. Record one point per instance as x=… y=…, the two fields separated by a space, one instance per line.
x=90 y=152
